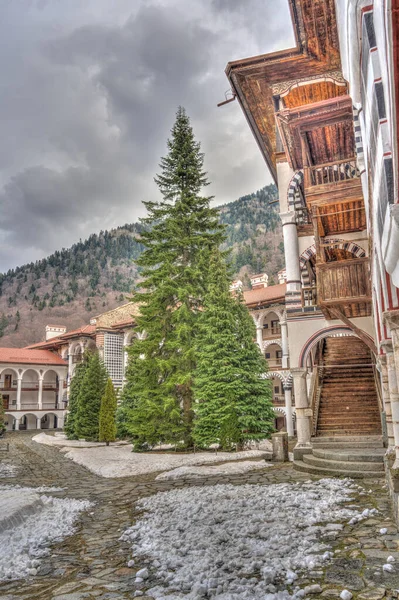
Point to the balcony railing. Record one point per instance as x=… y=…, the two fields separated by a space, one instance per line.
x=330 y=173
x=344 y=281
x=309 y=296
x=35 y=406
x=271 y=332
x=29 y=386
x=274 y=362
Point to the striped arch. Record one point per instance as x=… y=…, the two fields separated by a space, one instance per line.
x=303 y=259
x=334 y=331
x=288 y=382
x=351 y=247
x=281 y=411
x=268 y=343
x=358 y=136
x=294 y=195
x=272 y=374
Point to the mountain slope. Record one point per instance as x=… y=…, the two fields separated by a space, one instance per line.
x=72 y=285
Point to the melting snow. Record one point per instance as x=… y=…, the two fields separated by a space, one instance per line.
x=229 y=468
x=7 y=470
x=120 y=461
x=235 y=542
x=29 y=523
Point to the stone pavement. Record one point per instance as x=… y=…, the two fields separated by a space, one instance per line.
x=93 y=562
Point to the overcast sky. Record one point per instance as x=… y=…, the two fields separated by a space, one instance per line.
x=89 y=91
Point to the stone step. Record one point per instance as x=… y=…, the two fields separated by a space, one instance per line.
x=299 y=465
x=367 y=454
x=342 y=465
x=372 y=440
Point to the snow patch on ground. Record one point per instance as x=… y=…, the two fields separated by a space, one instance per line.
x=120 y=461
x=61 y=441
x=7 y=470
x=229 y=468
x=30 y=523
x=238 y=542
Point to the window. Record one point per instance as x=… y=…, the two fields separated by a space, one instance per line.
x=267 y=355
x=113 y=357
x=279 y=353
x=276 y=389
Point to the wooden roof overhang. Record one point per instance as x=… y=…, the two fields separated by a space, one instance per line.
x=259 y=81
x=317 y=133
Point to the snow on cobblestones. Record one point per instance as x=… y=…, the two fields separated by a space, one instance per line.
x=120 y=461
x=229 y=468
x=29 y=523
x=7 y=470
x=235 y=542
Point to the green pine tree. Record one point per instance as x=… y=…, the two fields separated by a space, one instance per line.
x=234 y=401
x=89 y=400
x=73 y=399
x=107 y=424
x=182 y=228
x=2 y=416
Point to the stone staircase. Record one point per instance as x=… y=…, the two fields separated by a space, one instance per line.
x=348 y=400
x=344 y=456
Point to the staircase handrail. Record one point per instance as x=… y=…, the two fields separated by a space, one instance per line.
x=377 y=381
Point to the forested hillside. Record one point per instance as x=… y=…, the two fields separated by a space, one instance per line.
x=74 y=284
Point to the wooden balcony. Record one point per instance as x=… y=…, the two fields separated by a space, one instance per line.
x=334 y=197
x=346 y=285
x=332 y=174
x=271 y=332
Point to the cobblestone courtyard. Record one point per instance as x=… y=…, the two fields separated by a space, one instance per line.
x=92 y=562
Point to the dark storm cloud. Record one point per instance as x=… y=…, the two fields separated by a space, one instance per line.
x=88 y=101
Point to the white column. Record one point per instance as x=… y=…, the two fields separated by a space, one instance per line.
x=394 y=396
x=291 y=251
x=40 y=393
x=303 y=412
x=70 y=364
x=259 y=337
x=60 y=392
x=60 y=423
x=19 y=389
x=288 y=411
x=284 y=344
x=392 y=320
x=382 y=362
x=17 y=421
x=38 y=422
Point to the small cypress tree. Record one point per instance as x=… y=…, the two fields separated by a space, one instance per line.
x=182 y=226
x=73 y=400
x=107 y=424
x=234 y=401
x=89 y=399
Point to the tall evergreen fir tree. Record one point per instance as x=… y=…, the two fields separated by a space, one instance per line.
x=234 y=401
x=89 y=400
x=182 y=228
x=74 y=391
x=107 y=423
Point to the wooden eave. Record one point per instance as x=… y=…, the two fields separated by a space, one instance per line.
x=315 y=54
x=308 y=125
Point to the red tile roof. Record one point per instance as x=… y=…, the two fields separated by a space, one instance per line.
x=26 y=356
x=63 y=337
x=264 y=295
x=86 y=330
